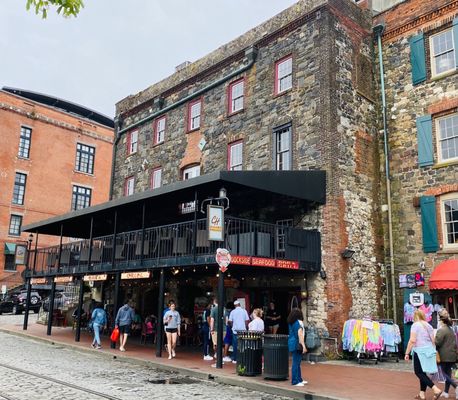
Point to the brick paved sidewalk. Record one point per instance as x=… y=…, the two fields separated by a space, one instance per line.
x=326 y=380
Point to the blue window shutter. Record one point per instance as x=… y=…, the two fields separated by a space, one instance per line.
x=425 y=140
x=428 y=224
x=418 y=58
x=455 y=39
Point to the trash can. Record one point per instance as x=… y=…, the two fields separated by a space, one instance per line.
x=249 y=353
x=276 y=357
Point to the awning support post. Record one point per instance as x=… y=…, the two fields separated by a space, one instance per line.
x=79 y=311
x=27 y=300
x=160 y=312
x=194 y=228
x=116 y=301
x=51 y=307
x=142 y=251
x=219 y=333
x=35 y=253
x=91 y=242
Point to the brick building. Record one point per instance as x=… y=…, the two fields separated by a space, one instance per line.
x=55 y=156
x=420 y=57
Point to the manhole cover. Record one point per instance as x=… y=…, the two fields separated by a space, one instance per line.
x=172 y=381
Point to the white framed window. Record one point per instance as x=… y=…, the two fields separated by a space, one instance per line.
x=156 y=178
x=194 y=112
x=235 y=156
x=159 y=132
x=449 y=216
x=447 y=137
x=15 y=225
x=282 y=143
x=284 y=74
x=442 y=51
x=132 y=142
x=236 y=96
x=129 y=186
x=191 y=172
x=84 y=158
x=81 y=197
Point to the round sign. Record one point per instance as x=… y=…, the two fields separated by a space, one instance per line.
x=223 y=259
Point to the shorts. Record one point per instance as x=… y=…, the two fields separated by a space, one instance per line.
x=124 y=329
x=274 y=326
x=228 y=336
x=171 y=330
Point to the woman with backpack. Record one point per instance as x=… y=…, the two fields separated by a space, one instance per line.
x=99 y=319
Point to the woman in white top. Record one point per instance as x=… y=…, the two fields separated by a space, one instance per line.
x=257 y=324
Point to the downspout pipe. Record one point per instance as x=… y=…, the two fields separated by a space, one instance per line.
x=378 y=31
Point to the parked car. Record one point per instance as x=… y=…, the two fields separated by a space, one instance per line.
x=15 y=302
x=60 y=301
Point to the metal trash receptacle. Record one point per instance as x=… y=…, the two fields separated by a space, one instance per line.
x=249 y=353
x=276 y=357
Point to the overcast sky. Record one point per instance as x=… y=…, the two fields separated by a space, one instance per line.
x=115 y=48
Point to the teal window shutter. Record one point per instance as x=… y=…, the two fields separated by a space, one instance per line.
x=418 y=58
x=425 y=140
x=455 y=39
x=428 y=224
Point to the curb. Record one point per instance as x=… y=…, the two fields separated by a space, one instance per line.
x=215 y=377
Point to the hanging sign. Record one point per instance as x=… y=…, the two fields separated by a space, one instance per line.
x=20 y=254
x=38 y=281
x=215 y=223
x=136 y=275
x=223 y=259
x=63 y=279
x=100 y=277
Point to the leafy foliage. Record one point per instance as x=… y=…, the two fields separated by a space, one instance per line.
x=68 y=8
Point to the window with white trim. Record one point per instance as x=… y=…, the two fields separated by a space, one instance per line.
x=156 y=178
x=24 y=142
x=81 y=197
x=442 y=51
x=191 y=172
x=159 y=132
x=15 y=225
x=449 y=214
x=129 y=186
x=84 y=158
x=447 y=137
x=194 y=115
x=236 y=96
x=235 y=156
x=132 y=142
x=19 y=188
x=282 y=143
x=284 y=74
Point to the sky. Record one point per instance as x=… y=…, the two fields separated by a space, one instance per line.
x=115 y=48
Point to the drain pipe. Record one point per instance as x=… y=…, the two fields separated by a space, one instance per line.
x=378 y=30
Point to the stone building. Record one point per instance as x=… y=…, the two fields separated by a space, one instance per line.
x=420 y=58
x=55 y=156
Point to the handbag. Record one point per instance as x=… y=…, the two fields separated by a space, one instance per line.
x=114 y=335
x=299 y=348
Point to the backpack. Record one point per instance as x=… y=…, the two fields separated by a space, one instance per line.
x=312 y=340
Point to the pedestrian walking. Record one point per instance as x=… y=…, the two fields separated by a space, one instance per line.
x=172 y=323
x=206 y=333
x=228 y=335
x=296 y=344
x=257 y=324
x=447 y=349
x=99 y=320
x=238 y=320
x=214 y=323
x=422 y=346
x=123 y=322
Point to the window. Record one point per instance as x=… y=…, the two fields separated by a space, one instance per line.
x=282 y=140
x=15 y=225
x=282 y=229
x=191 y=172
x=85 y=158
x=156 y=178
x=24 y=142
x=19 y=188
x=236 y=96
x=194 y=110
x=159 y=131
x=81 y=197
x=284 y=75
x=235 y=156
x=132 y=142
x=447 y=137
x=449 y=211
x=129 y=186
x=10 y=262
x=442 y=52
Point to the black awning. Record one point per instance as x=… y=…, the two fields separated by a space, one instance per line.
x=258 y=193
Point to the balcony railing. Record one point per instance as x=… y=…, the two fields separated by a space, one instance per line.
x=173 y=245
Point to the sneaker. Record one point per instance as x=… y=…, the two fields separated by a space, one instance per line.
x=170 y=357
x=122 y=349
x=98 y=347
x=208 y=358
x=299 y=384
x=173 y=353
x=304 y=382
x=93 y=345
x=444 y=395
x=234 y=361
x=227 y=359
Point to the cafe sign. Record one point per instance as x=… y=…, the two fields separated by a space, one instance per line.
x=215 y=223
x=20 y=254
x=63 y=279
x=38 y=281
x=99 y=277
x=136 y=275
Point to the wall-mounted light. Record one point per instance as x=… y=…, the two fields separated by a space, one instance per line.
x=347 y=253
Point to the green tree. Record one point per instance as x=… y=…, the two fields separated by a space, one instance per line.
x=68 y=8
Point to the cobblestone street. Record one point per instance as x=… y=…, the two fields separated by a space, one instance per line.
x=115 y=378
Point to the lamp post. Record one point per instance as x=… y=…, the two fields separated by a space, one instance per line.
x=29 y=283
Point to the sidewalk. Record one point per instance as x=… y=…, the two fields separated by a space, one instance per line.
x=326 y=380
